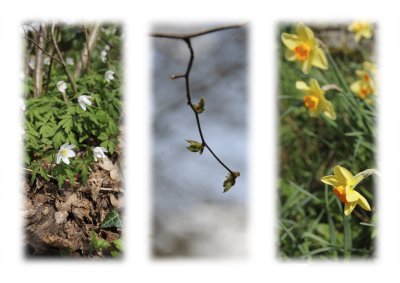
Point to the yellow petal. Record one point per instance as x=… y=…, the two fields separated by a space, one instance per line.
x=314 y=86
x=348 y=208
x=304 y=32
x=290 y=55
x=367 y=32
x=358 y=178
x=290 y=40
x=306 y=66
x=319 y=59
x=352 y=195
x=329 y=111
x=363 y=203
x=330 y=180
x=344 y=176
x=300 y=85
x=355 y=87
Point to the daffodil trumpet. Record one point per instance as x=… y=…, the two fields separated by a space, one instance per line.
x=344 y=183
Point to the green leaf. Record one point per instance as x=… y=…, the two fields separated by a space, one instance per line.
x=34 y=172
x=43 y=173
x=70 y=174
x=199 y=108
x=84 y=174
x=58 y=139
x=60 y=180
x=118 y=244
x=103 y=137
x=66 y=123
x=98 y=243
x=195 y=146
x=230 y=180
x=47 y=131
x=113 y=219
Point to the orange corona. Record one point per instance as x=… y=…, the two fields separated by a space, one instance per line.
x=340 y=192
x=311 y=102
x=302 y=52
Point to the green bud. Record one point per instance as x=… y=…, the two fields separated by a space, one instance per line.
x=230 y=180
x=195 y=146
x=200 y=106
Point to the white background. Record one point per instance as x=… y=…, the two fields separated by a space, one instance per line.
x=261 y=264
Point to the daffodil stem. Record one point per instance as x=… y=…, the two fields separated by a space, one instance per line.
x=187 y=39
x=347 y=236
x=338 y=74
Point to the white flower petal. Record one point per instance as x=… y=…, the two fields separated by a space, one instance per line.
x=69 y=146
x=69 y=61
x=65 y=160
x=86 y=100
x=58 y=158
x=82 y=105
x=70 y=153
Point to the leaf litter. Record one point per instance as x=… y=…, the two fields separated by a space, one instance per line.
x=65 y=221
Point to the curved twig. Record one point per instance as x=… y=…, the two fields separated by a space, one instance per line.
x=195 y=34
x=187 y=39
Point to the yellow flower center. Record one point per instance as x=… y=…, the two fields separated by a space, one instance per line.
x=366 y=77
x=64 y=152
x=302 y=52
x=340 y=192
x=311 y=102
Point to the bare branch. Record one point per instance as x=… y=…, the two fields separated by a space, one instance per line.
x=70 y=79
x=187 y=39
x=44 y=51
x=91 y=40
x=38 y=73
x=195 y=34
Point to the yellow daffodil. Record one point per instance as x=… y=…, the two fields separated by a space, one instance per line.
x=315 y=100
x=304 y=48
x=344 y=184
x=364 y=86
x=361 y=29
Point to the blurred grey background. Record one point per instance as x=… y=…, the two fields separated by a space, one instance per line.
x=191 y=216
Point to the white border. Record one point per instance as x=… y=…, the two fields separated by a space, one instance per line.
x=137 y=17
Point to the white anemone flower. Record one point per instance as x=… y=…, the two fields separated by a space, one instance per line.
x=69 y=61
x=32 y=63
x=103 y=56
x=99 y=152
x=65 y=152
x=46 y=61
x=61 y=86
x=83 y=100
x=107 y=47
x=109 y=75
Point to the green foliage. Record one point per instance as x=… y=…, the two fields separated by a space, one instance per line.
x=98 y=244
x=112 y=220
x=311 y=220
x=51 y=122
